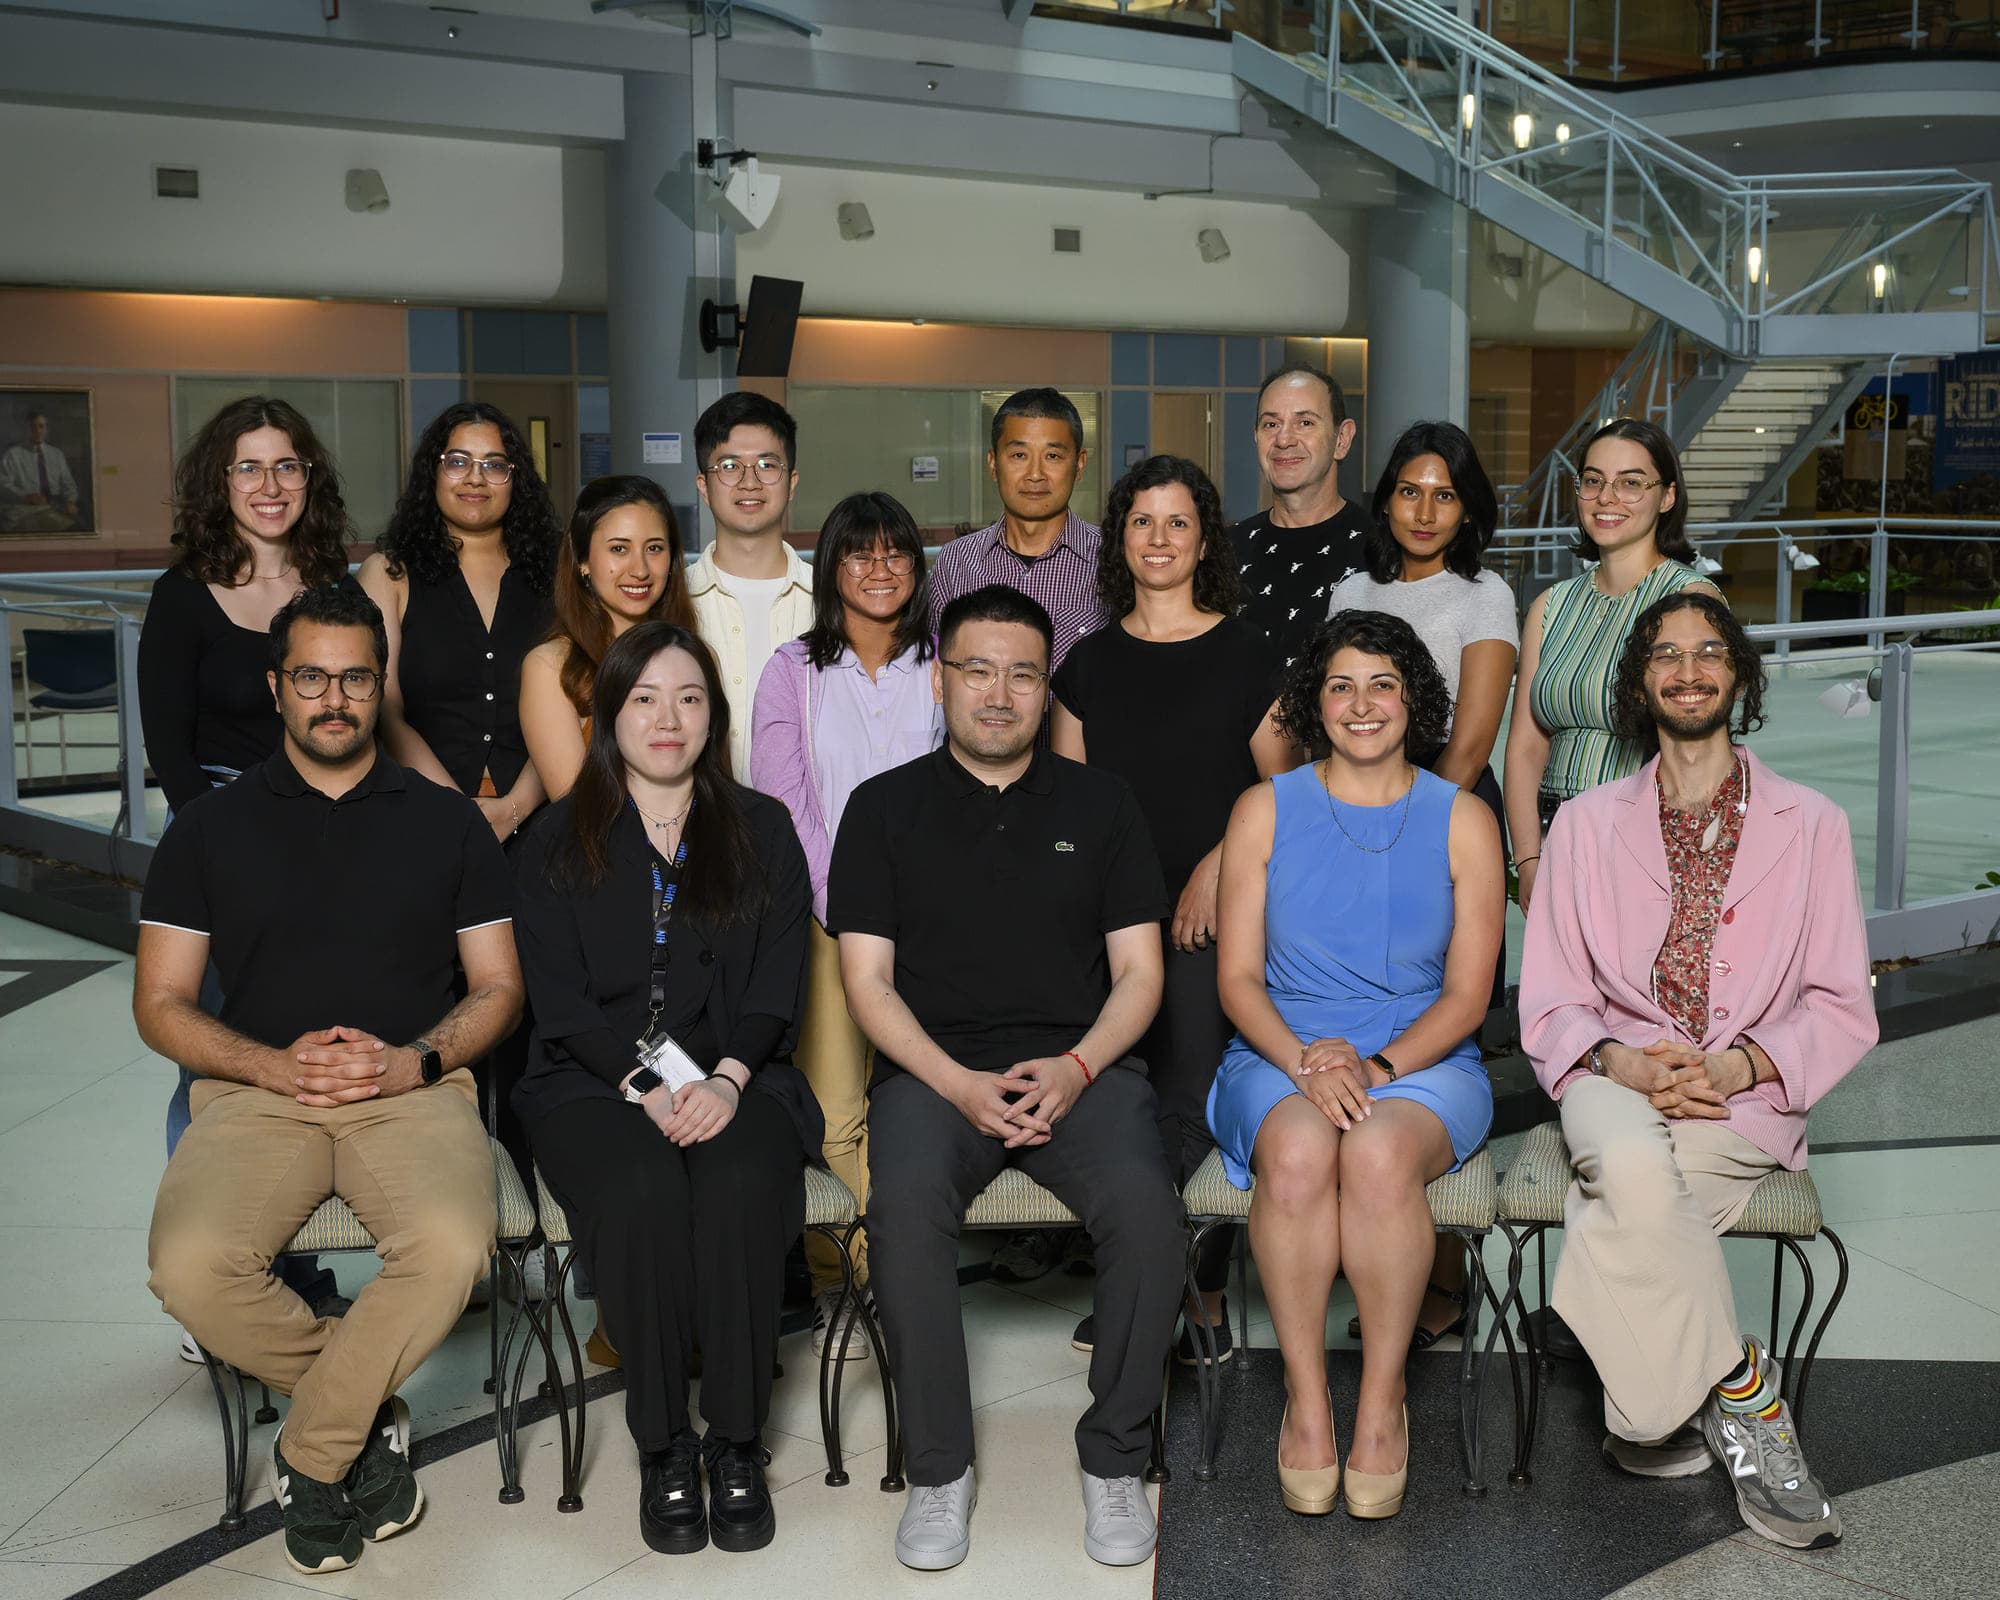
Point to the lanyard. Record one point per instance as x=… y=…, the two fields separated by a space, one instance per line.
x=666 y=886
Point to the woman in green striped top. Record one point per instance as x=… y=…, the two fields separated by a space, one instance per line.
x=1631 y=515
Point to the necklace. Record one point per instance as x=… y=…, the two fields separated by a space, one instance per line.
x=1325 y=778
x=664 y=822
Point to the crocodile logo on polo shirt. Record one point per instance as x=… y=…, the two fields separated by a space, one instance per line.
x=1064 y=847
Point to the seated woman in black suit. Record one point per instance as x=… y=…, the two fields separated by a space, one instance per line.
x=660 y=901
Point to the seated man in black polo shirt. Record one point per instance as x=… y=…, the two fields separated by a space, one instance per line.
x=999 y=916
x=338 y=895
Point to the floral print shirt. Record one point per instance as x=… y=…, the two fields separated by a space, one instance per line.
x=1698 y=878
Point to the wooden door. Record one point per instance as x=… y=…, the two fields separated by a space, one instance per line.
x=1184 y=425
x=545 y=411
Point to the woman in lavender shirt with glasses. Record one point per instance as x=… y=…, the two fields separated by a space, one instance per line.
x=849 y=699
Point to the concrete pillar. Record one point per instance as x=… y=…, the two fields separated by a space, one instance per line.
x=665 y=253
x=1419 y=325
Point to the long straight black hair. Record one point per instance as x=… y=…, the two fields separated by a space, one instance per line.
x=724 y=883
x=1479 y=507
x=854 y=527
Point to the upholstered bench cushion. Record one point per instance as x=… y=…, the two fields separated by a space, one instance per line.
x=1014 y=1200
x=1784 y=1203
x=333 y=1227
x=829 y=1202
x=1462 y=1199
x=555 y=1221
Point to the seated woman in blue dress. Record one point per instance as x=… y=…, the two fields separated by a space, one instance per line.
x=1361 y=910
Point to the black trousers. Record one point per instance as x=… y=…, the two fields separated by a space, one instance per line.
x=686 y=1248
x=1181 y=1050
x=926 y=1165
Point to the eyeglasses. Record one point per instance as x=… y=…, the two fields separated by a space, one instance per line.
x=982 y=675
x=458 y=466
x=290 y=474
x=730 y=469
x=1630 y=488
x=899 y=562
x=311 y=683
x=1709 y=653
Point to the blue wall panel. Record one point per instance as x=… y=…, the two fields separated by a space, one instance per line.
x=593 y=344
x=1131 y=359
x=545 y=342
x=1242 y=478
x=435 y=345
x=1131 y=424
x=1243 y=362
x=496 y=341
x=429 y=396
x=1187 y=361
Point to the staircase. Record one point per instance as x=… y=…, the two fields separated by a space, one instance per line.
x=1772 y=418
x=1449 y=106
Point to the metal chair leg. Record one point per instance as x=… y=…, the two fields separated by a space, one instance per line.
x=832 y=1365
x=235 y=1441
x=266 y=1412
x=1807 y=1295
x=1471 y=1388
x=506 y=1416
x=1157 y=1470
x=1819 y=1328
x=1207 y=1370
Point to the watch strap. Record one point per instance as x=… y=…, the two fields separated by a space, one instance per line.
x=642 y=1083
x=1386 y=1065
x=430 y=1064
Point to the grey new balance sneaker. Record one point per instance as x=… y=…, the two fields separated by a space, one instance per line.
x=1118 y=1525
x=936 y=1530
x=322 y=1533
x=1776 y=1493
x=1681 y=1455
x=381 y=1485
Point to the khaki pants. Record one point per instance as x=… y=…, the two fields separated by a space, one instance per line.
x=1641 y=1281
x=253 y=1166
x=835 y=1056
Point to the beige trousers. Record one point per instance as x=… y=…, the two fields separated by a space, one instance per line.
x=1641 y=1280
x=835 y=1057
x=415 y=1169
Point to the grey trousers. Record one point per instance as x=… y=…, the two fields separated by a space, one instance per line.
x=927 y=1164
x=1641 y=1280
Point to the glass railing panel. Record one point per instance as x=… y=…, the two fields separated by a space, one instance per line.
x=1954 y=770
x=1821 y=729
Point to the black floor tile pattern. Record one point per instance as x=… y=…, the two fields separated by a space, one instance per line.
x=1579 y=1531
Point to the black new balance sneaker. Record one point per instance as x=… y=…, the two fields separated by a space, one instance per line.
x=321 y=1531
x=381 y=1485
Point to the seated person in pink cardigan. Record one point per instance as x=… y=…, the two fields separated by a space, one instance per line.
x=1695 y=977
x=850 y=699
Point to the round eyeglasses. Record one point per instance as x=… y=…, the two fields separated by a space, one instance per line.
x=730 y=469
x=1629 y=488
x=311 y=683
x=899 y=562
x=458 y=466
x=251 y=475
x=982 y=675
x=1709 y=653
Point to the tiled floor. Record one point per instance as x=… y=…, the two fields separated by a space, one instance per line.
x=111 y=1451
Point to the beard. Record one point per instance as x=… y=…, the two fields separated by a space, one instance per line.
x=1693 y=722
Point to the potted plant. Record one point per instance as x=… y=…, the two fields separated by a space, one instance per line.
x=1847 y=596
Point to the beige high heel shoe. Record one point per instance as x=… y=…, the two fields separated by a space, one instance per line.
x=1373 y=1495
x=1310 y=1491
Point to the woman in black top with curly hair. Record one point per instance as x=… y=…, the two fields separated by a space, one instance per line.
x=463 y=574
x=1362 y=900
x=660 y=900
x=257 y=517
x=1173 y=695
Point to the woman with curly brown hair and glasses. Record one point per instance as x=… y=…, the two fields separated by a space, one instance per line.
x=1361 y=908
x=1174 y=695
x=463 y=574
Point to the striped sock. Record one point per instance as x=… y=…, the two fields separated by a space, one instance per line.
x=1747 y=1390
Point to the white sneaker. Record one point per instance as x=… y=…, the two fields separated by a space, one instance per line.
x=854 y=1342
x=1118 y=1525
x=936 y=1530
x=190 y=1351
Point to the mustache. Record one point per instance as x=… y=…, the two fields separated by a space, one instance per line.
x=326 y=719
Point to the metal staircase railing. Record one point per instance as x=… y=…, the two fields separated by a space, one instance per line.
x=1701 y=246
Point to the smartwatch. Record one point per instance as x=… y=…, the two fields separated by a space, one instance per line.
x=430 y=1065
x=642 y=1083
x=1598 y=1065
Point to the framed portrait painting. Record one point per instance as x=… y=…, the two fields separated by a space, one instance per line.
x=48 y=463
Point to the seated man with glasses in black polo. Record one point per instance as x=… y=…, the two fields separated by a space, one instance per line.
x=339 y=895
x=999 y=916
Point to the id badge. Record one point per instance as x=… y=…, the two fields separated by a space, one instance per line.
x=671 y=1062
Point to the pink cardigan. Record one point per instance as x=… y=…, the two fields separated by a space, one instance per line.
x=1790 y=958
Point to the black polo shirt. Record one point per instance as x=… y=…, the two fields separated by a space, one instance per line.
x=326 y=911
x=998 y=900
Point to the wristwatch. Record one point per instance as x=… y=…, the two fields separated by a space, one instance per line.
x=642 y=1083
x=1598 y=1065
x=430 y=1065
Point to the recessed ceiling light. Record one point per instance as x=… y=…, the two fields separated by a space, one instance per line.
x=1736 y=144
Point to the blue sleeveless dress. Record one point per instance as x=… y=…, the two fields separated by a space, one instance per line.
x=1354 y=947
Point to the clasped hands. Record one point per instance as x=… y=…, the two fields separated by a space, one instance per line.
x=1337 y=1080
x=1679 y=1080
x=1021 y=1106
x=339 y=1065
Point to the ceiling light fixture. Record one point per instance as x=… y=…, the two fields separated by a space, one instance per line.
x=1524 y=130
x=1214 y=247
x=1468 y=109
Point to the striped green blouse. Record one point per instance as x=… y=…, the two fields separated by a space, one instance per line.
x=1583 y=631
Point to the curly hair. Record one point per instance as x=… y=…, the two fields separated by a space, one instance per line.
x=1216 y=586
x=1670 y=532
x=417 y=543
x=1479 y=507
x=581 y=621
x=1632 y=714
x=1376 y=633
x=210 y=548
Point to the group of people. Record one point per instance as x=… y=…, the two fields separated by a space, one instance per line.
x=1086 y=850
